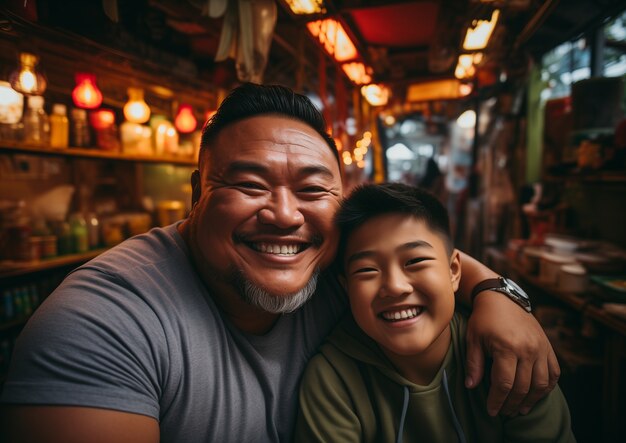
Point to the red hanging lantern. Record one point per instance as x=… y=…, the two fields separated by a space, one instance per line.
x=86 y=94
x=185 y=121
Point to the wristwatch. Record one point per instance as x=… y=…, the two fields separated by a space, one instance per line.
x=505 y=286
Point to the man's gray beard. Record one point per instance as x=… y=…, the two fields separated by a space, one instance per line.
x=275 y=303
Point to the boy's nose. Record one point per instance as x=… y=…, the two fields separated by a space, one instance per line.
x=282 y=211
x=396 y=284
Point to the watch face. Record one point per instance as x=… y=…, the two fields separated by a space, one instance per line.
x=515 y=288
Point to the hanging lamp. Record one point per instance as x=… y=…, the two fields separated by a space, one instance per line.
x=26 y=78
x=136 y=110
x=185 y=121
x=86 y=94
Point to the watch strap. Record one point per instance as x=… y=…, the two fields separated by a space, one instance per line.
x=488 y=284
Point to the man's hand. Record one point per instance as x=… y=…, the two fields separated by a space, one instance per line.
x=525 y=367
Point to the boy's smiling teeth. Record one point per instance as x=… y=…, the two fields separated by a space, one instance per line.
x=402 y=314
x=277 y=249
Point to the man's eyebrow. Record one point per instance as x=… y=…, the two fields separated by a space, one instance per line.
x=252 y=166
x=247 y=166
x=316 y=170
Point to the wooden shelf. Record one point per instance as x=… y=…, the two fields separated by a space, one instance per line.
x=591 y=177
x=94 y=153
x=13 y=269
x=576 y=301
x=586 y=303
x=606 y=318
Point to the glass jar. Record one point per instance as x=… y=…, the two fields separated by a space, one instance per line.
x=36 y=122
x=80 y=132
x=15 y=233
x=59 y=127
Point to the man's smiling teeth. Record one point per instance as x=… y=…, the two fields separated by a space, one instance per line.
x=402 y=314
x=277 y=249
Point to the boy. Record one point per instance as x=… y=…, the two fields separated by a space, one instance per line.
x=393 y=371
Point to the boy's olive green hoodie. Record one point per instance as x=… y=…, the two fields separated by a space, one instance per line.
x=351 y=393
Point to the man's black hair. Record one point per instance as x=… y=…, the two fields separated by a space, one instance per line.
x=371 y=200
x=249 y=100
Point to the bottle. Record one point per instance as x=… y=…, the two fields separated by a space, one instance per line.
x=36 y=122
x=81 y=135
x=79 y=233
x=11 y=108
x=64 y=237
x=59 y=127
x=16 y=233
x=93 y=229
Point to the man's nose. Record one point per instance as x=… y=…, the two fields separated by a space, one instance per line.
x=283 y=210
x=395 y=283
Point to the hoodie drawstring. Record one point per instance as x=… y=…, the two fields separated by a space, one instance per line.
x=405 y=407
x=455 y=420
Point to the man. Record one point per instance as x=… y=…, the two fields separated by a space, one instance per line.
x=200 y=331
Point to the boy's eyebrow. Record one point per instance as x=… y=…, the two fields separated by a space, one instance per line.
x=359 y=255
x=415 y=244
x=405 y=246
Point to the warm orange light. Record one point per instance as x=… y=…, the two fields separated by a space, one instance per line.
x=333 y=38
x=136 y=110
x=434 y=90
x=465 y=89
x=86 y=94
x=462 y=73
x=208 y=115
x=338 y=144
x=185 y=121
x=306 y=6
x=376 y=95
x=389 y=120
x=347 y=158
x=26 y=79
x=357 y=72
x=479 y=32
x=466 y=65
x=102 y=118
x=466 y=60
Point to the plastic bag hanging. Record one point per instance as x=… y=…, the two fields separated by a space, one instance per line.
x=247 y=35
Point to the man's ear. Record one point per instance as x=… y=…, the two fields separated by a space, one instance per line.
x=196 y=188
x=455 y=269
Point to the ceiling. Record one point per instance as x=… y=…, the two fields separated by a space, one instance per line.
x=407 y=41
x=402 y=41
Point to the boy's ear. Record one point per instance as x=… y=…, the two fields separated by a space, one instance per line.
x=455 y=269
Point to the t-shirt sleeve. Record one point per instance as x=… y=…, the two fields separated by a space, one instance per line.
x=92 y=343
x=548 y=421
x=326 y=412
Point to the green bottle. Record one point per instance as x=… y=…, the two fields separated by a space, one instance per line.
x=79 y=233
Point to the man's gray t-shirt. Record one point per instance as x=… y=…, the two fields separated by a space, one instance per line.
x=135 y=330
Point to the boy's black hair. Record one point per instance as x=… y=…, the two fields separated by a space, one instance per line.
x=249 y=100
x=371 y=200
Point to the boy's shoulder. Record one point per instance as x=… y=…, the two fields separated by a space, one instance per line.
x=346 y=350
